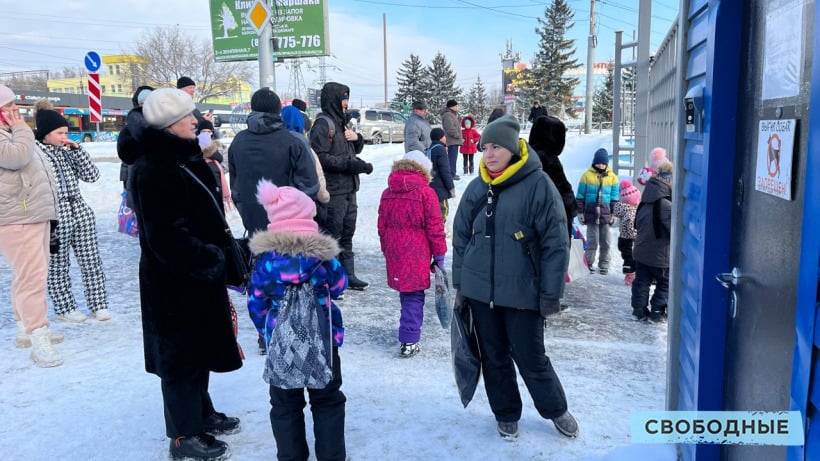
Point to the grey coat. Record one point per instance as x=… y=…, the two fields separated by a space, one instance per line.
x=452 y=127
x=416 y=133
x=653 y=220
x=518 y=257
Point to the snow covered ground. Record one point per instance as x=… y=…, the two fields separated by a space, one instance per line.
x=101 y=405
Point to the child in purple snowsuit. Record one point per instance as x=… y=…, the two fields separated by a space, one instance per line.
x=411 y=233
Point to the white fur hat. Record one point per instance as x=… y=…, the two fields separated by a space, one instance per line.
x=419 y=157
x=166 y=106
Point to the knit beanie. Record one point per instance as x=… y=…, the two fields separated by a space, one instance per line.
x=299 y=104
x=294 y=121
x=452 y=103
x=204 y=125
x=665 y=172
x=47 y=121
x=656 y=157
x=185 y=81
x=601 y=156
x=265 y=100
x=288 y=208
x=503 y=132
x=419 y=105
x=436 y=134
x=420 y=158
x=6 y=95
x=166 y=106
x=629 y=193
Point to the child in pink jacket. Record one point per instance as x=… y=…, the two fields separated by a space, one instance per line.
x=411 y=233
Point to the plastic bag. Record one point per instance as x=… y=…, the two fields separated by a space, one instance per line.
x=127 y=220
x=443 y=303
x=465 y=353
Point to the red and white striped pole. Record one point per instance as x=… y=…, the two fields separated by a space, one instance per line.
x=94 y=99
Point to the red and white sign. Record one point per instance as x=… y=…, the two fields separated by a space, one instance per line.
x=94 y=100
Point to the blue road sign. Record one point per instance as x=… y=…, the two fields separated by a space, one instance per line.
x=92 y=61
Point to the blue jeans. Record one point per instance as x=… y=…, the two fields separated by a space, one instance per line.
x=452 y=156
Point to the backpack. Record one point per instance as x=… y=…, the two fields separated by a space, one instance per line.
x=331 y=125
x=298 y=356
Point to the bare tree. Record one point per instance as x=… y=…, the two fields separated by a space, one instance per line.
x=169 y=54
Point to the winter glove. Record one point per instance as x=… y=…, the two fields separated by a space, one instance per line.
x=53 y=240
x=549 y=307
x=365 y=167
x=437 y=261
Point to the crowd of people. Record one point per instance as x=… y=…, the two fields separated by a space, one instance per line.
x=294 y=182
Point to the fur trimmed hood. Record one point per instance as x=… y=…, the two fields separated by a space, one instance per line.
x=316 y=245
x=214 y=147
x=410 y=165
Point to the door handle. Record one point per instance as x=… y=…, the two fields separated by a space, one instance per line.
x=730 y=280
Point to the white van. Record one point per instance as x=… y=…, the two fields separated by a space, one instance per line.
x=378 y=125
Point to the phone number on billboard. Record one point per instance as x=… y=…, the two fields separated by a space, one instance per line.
x=301 y=41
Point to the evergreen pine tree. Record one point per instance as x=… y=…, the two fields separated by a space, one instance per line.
x=411 y=80
x=602 y=100
x=441 y=83
x=547 y=80
x=477 y=102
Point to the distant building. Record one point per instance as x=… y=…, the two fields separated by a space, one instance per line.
x=118 y=77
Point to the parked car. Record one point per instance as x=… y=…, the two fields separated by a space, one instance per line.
x=378 y=125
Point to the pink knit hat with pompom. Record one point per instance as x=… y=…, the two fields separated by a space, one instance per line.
x=288 y=208
x=629 y=193
x=656 y=157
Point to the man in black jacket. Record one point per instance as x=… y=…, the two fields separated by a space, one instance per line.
x=337 y=147
x=536 y=111
x=267 y=150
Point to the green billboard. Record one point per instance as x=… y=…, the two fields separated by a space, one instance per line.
x=299 y=29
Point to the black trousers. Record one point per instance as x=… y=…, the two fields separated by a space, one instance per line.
x=507 y=335
x=287 y=419
x=340 y=222
x=644 y=275
x=186 y=402
x=625 y=247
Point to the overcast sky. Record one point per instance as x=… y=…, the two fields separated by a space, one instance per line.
x=472 y=34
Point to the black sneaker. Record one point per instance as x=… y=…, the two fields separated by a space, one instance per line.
x=409 y=349
x=219 y=424
x=603 y=271
x=566 y=425
x=354 y=283
x=508 y=431
x=260 y=342
x=456 y=177
x=657 y=316
x=640 y=313
x=200 y=447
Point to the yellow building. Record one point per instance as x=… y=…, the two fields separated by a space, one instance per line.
x=118 y=77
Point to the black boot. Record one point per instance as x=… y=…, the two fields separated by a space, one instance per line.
x=201 y=446
x=219 y=424
x=353 y=282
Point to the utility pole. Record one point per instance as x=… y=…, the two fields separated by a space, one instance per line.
x=592 y=39
x=296 y=85
x=384 y=33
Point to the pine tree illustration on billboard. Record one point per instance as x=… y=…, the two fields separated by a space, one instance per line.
x=300 y=29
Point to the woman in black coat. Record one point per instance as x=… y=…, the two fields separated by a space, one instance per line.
x=548 y=136
x=187 y=331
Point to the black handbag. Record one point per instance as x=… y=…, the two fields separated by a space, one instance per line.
x=238 y=256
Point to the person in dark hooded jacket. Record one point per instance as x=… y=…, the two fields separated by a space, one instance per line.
x=548 y=137
x=186 y=322
x=337 y=147
x=267 y=150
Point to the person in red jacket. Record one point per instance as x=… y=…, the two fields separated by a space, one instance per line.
x=411 y=233
x=471 y=137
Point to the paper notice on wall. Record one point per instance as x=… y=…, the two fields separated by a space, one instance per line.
x=782 y=50
x=775 y=149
